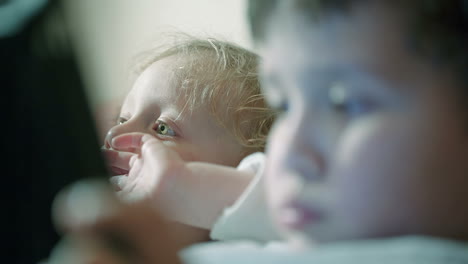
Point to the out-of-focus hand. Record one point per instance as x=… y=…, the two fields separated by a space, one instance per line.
x=100 y=229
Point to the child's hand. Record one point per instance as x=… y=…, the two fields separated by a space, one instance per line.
x=153 y=170
x=154 y=175
x=118 y=166
x=192 y=193
x=117 y=161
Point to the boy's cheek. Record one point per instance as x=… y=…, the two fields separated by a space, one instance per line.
x=375 y=165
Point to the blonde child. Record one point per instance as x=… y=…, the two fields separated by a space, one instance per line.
x=194 y=113
x=368 y=161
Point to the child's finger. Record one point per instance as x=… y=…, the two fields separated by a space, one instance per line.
x=129 y=187
x=118 y=182
x=130 y=196
x=132 y=160
x=129 y=141
x=152 y=147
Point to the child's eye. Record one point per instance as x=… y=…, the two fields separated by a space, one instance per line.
x=164 y=129
x=121 y=120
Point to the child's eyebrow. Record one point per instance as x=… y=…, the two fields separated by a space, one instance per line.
x=182 y=111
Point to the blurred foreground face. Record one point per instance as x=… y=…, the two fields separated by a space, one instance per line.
x=370 y=142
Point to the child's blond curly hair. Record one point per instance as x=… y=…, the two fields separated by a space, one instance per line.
x=222 y=75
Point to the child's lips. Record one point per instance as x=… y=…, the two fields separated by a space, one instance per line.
x=297 y=216
x=118 y=171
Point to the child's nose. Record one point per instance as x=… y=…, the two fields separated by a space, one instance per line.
x=118 y=130
x=109 y=136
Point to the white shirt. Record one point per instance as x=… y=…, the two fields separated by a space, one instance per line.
x=248 y=218
x=397 y=250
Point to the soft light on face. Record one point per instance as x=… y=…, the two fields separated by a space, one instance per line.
x=370 y=142
x=154 y=106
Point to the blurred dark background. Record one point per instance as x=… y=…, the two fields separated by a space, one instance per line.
x=49 y=135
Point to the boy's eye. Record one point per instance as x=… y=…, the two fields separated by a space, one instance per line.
x=337 y=94
x=342 y=102
x=277 y=101
x=164 y=129
x=279 y=106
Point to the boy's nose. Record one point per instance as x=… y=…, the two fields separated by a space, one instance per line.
x=302 y=152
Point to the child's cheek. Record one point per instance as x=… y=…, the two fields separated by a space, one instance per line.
x=185 y=152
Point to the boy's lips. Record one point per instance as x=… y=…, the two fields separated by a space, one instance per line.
x=297 y=216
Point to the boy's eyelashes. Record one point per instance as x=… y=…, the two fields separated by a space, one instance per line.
x=353 y=107
x=336 y=100
x=342 y=100
x=281 y=107
x=276 y=100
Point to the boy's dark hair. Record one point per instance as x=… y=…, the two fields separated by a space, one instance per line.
x=438 y=29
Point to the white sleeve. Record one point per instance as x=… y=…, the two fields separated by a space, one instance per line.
x=248 y=218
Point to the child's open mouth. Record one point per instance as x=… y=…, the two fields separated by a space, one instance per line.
x=118 y=171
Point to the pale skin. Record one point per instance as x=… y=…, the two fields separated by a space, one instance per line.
x=153 y=106
x=372 y=141
x=188 y=192
x=183 y=161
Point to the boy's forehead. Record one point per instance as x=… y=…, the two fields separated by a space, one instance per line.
x=370 y=36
